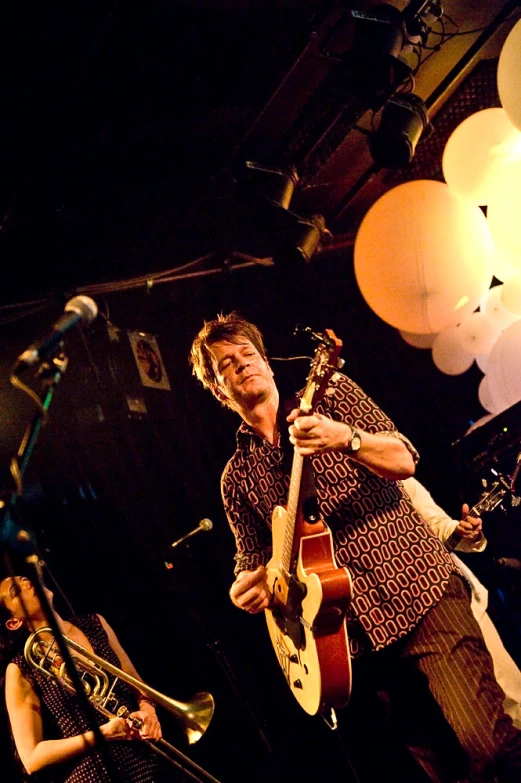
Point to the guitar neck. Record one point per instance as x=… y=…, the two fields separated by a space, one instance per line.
x=323 y=365
x=454 y=539
x=295 y=485
x=452 y=542
x=487 y=502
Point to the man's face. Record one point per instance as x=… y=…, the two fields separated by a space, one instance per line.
x=244 y=377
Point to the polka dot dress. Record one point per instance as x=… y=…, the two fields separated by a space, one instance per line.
x=134 y=762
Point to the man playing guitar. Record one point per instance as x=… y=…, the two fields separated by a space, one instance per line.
x=409 y=601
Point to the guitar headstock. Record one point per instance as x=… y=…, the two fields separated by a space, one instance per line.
x=325 y=361
x=493 y=496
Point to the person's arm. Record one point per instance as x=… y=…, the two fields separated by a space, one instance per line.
x=151 y=728
x=253 y=549
x=441 y=523
x=36 y=753
x=385 y=454
x=471 y=532
x=381 y=448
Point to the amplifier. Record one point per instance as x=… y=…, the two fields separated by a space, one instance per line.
x=494 y=444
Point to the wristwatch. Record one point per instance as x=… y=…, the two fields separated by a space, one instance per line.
x=355 y=442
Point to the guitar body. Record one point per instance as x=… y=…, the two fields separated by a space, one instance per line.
x=306 y=619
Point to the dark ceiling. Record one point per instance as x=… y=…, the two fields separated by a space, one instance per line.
x=126 y=125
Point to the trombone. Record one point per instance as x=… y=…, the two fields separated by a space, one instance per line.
x=99 y=679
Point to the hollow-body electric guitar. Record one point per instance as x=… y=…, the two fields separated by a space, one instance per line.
x=310 y=593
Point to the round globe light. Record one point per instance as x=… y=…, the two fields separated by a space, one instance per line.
x=418 y=340
x=511 y=295
x=448 y=354
x=503 y=269
x=482 y=361
x=508 y=70
x=422 y=257
x=477 y=150
x=503 y=211
x=495 y=310
x=477 y=334
x=485 y=396
x=504 y=369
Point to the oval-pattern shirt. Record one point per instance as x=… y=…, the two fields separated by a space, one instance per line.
x=400 y=569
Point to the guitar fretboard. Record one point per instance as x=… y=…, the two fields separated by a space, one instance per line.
x=292 y=509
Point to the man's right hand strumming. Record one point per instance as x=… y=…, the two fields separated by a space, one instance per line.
x=250 y=591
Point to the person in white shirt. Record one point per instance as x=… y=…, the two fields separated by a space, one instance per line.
x=507 y=672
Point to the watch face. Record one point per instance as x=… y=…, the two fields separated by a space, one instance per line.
x=356 y=441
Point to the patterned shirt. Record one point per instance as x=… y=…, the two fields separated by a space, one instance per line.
x=399 y=567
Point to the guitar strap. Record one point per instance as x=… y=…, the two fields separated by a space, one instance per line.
x=308 y=492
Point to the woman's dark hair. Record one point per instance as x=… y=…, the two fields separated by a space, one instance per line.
x=11 y=642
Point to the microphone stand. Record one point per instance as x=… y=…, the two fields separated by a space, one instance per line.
x=16 y=538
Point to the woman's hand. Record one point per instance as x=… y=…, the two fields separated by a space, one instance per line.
x=151 y=728
x=250 y=591
x=116 y=729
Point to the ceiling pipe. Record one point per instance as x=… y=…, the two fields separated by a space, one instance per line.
x=470 y=55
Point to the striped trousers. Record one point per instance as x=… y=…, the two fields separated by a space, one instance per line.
x=441 y=697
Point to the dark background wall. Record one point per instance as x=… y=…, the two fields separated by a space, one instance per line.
x=107 y=491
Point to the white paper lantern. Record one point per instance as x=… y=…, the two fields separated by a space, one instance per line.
x=504 y=369
x=418 y=340
x=482 y=361
x=477 y=150
x=477 y=334
x=504 y=214
x=423 y=257
x=511 y=295
x=485 y=396
x=495 y=310
x=448 y=354
x=502 y=268
x=508 y=73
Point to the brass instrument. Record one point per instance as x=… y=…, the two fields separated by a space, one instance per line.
x=99 y=679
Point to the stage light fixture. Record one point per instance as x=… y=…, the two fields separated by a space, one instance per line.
x=402 y=122
x=276 y=185
x=307 y=237
x=380 y=30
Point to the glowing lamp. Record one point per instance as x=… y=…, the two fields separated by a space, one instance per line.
x=422 y=257
x=508 y=71
x=477 y=150
x=448 y=354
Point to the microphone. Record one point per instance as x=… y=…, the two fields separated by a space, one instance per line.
x=204 y=524
x=80 y=309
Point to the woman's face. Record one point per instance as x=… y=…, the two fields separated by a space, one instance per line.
x=18 y=596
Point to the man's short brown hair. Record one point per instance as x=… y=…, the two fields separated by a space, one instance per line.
x=226 y=328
